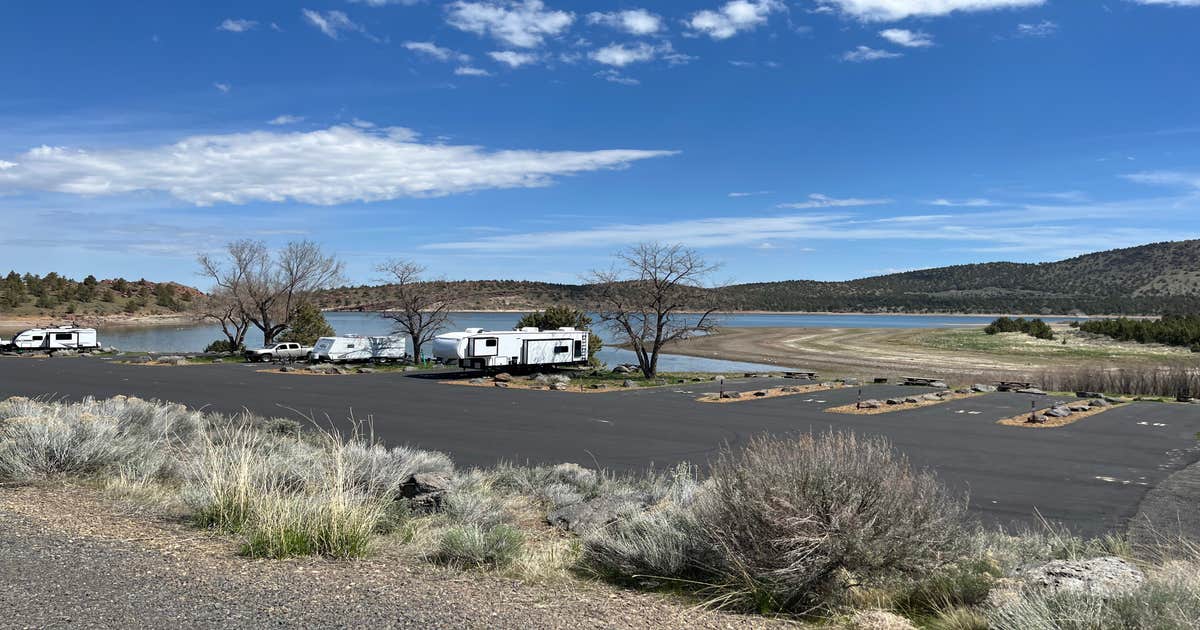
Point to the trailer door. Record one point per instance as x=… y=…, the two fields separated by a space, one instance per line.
x=485 y=347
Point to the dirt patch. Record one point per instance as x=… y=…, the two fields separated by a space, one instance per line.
x=854 y=409
x=1051 y=422
x=771 y=392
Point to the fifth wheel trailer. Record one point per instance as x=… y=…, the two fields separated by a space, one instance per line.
x=480 y=349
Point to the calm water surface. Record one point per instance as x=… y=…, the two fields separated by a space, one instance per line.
x=193 y=338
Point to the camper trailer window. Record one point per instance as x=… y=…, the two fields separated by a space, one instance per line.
x=36 y=338
x=578 y=348
x=62 y=336
x=561 y=349
x=491 y=343
x=350 y=345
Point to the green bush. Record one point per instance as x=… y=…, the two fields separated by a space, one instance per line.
x=474 y=546
x=1032 y=327
x=224 y=345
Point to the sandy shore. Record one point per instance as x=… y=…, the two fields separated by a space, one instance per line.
x=108 y=321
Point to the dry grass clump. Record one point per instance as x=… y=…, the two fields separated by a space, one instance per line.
x=1147 y=380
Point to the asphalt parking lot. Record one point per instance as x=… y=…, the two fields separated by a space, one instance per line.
x=1090 y=475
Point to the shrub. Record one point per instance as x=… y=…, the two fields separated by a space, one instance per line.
x=648 y=548
x=335 y=521
x=224 y=345
x=790 y=516
x=472 y=501
x=474 y=546
x=379 y=471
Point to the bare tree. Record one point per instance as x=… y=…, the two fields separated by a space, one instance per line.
x=269 y=287
x=223 y=307
x=420 y=309
x=643 y=297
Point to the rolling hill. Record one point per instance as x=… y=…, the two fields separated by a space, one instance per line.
x=1148 y=279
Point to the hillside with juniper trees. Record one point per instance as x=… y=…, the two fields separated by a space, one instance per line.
x=1158 y=278
x=53 y=295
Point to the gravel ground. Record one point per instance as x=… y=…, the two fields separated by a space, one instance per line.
x=72 y=558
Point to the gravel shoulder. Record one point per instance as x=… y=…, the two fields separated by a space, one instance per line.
x=76 y=558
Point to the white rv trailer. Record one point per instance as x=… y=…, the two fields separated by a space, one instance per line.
x=480 y=349
x=54 y=338
x=349 y=348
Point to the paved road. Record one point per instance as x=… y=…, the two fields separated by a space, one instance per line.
x=1091 y=475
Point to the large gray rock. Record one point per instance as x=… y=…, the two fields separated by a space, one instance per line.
x=425 y=491
x=591 y=515
x=1031 y=390
x=980 y=387
x=895 y=401
x=503 y=377
x=1058 y=412
x=1079 y=406
x=731 y=395
x=931 y=397
x=1099 y=402
x=912 y=399
x=1103 y=576
x=939 y=384
x=559 y=386
x=629 y=384
x=477 y=381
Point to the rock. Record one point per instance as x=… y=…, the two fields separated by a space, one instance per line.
x=1089 y=394
x=981 y=388
x=501 y=384
x=870 y=404
x=963 y=390
x=895 y=401
x=1099 y=402
x=170 y=358
x=218 y=360
x=731 y=395
x=622 y=369
x=425 y=491
x=790 y=390
x=477 y=381
x=760 y=394
x=559 y=379
x=850 y=381
x=932 y=397
x=1036 y=418
x=1112 y=399
x=180 y=361
x=139 y=359
x=874 y=619
x=912 y=399
x=597 y=386
x=1031 y=390
x=591 y=515
x=540 y=379
x=1076 y=407
x=503 y=377
x=559 y=386
x=939 y=384
x=287 y=369
x=1103 y=576
x=365 y=370
x=1058 y=412
x=628 y=384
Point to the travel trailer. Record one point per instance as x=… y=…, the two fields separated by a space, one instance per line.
x=55 y=338
x=356 y=348
x=480 y=349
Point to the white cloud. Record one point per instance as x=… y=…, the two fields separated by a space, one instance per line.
x=4 y=165
x=332 y=23
x=906 y=38
x=341 y=164
x=1166 y=178
x=891 y=10
x=620 y=55
x=524 y=24
x=962 y=203
x=512 y=58
x=471 y=71
x=223 y=87
x=612 y=76
x=733 y=17
x=1045 y=28
x=285 y=119
x=384 y=3
x=237 y=26
x=1170 y=3
x=633 y=21
x=750 y=194
x=817 y=200
x=437 y=52
x=866 y=53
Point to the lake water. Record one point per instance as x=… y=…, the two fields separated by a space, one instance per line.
x=193 y=338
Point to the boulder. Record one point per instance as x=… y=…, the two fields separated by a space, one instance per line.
x=1102 y=576
x=500 y=384
x=963 y=390
x=622 y=369
x=629 y=384
x=931 y=397
x=790 y=390
x=180 y=361
x=1112 y=399
x=870 y=404
x=1080 y=406
x=1037 y=418
x=503 y=377
x=939 y=384
x=559 y=379
x=425 y=491
x=540 y=379
x=287 y=369
x=365 y=370
x=591 y=515
x=1058 y=412
x=760 y=394
x=218 y=360
x=1031 y=390
x=1099 y=402
x=559 y=386
x=731 y=395
x=981 y=388
x=895 y=401
x=477 y=381
x=912 y=399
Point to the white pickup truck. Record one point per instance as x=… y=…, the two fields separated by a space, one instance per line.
x=284 y=351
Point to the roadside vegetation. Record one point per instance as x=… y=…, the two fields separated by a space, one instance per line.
x=1171 y=330
x=831 y=529
x=1035 y=327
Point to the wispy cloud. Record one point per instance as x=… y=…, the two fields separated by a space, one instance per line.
x=974 y=202
x=907 y=38
x=471 y=71
x=223 y=87
x=733 y=17
x=633 y=21
x=817 y=200
x=285 y=119
x=341 y=164
x=621 y=55
x=237 y=26
x=514 y=59
x=893 y=10
x=613 y=76
x=332 y=23
x=1045 y=28
x=523 y=24
x=1166 y=178
x=866 y=53
x=753 y=193
x=434 y=51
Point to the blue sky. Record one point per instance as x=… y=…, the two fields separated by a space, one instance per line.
x=824 y=139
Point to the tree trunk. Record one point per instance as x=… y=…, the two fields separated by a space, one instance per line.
x=416 y=350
